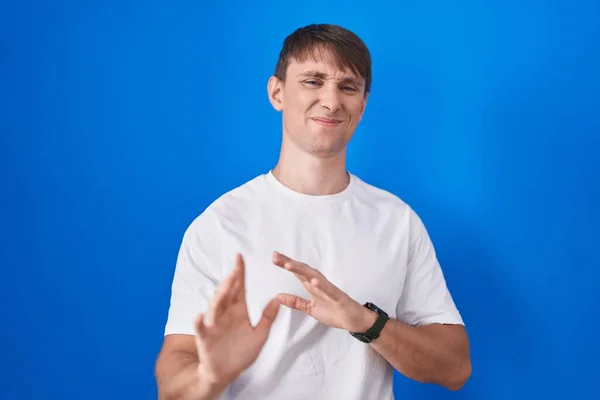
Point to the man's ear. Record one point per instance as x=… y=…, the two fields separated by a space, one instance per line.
x=274 y=89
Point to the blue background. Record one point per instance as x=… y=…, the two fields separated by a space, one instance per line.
x=120 y=121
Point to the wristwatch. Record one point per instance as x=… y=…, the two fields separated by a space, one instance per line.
x=373 y=332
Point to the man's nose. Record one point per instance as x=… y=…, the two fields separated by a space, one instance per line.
x=330 y=99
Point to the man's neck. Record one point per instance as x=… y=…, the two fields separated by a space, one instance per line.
x=313 y=176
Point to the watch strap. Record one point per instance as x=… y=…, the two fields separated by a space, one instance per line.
x=375 y=331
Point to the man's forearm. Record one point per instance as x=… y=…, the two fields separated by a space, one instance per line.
x=184 y=383
x=429 y=354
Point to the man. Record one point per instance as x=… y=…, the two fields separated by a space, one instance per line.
x=307 y=282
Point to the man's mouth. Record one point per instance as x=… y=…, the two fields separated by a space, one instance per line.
x=327 y=121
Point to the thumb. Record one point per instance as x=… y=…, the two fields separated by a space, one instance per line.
x=269 y=313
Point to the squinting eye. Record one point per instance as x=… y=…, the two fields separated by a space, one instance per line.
x=349 y=88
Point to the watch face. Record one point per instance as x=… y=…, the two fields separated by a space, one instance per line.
x=373 y=307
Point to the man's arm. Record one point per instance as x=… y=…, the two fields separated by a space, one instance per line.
x=431 y=346
x=177 y=374
x=427 y=341
x=196 y=276
x=433 y=353
x=201 y=366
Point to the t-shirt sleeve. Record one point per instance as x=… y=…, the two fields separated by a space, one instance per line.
x=425 y=298
x=197 y=274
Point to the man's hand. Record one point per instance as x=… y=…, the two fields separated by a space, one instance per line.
x=329 y=304
x=227 y=343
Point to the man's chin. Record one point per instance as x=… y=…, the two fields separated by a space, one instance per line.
x=326 y=150
x=319 y=143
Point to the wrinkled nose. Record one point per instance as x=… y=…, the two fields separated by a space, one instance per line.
x=330 y=99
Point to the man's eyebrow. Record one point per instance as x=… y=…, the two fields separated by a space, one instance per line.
x=314 y=74
x=324 y=76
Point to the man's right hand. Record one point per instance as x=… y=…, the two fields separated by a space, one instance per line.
x=226 y=341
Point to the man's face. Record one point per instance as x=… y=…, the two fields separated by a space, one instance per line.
x=321 y=105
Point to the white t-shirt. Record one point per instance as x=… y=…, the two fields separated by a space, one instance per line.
x=366 y=241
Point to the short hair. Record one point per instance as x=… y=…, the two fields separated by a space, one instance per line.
x=348 y=50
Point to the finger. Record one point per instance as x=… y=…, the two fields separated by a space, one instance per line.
x=315 y=290
x=235 y=277
x=239 y=288
x=280 y=259
x=294 y=302
x=322 y=288
x=238 y=276
x=269 y=314
x=200 y=328
x=220 y=302
x=301 y=270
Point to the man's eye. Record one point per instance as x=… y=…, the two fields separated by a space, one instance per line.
x=312 y=82
x=349 y=88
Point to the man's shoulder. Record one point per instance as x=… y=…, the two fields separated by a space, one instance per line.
x=379 y=196
x=235 y=199
x=386 y=202
x=250 y=190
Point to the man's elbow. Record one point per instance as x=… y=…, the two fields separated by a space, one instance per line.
x=461 y=377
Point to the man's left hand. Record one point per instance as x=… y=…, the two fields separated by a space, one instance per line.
x=329 y=304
